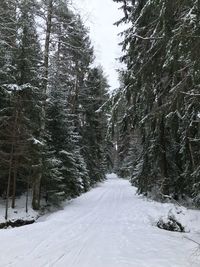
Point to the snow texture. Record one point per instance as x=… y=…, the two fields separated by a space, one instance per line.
x=19 y=212
x=109 y=226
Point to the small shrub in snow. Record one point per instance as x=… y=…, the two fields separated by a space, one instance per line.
x=15 y=223
x=170 y=224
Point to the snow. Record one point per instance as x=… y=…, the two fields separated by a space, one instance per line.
x=37 y=142
x=19 y=212
x=12 y=87
x=110 y=226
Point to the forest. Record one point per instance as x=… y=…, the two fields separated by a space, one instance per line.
x=157 y=107
x=59 y=125
x=99 y=176
x=52 y=127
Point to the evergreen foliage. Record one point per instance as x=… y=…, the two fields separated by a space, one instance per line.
x=161 y=93
x=52 y=128
x=94 y=123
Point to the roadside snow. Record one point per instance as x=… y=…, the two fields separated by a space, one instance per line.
x=109 y=226
x=19 y=212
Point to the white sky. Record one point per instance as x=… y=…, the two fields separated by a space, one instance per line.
x=99 y=16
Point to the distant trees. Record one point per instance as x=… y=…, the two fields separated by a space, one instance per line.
x=94 y=121
x=161 y=94
x=52 y=128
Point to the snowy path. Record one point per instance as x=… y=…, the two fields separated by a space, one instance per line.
x=109 y=226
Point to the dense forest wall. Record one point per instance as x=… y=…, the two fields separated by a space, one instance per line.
x=160 y=92
x=52 y=130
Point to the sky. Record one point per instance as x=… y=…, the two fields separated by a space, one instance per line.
x=99 y=16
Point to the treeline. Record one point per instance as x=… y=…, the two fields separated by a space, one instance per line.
x=159 y=125
x=52 y=127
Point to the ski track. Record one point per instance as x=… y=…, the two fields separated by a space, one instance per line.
x=110 y=226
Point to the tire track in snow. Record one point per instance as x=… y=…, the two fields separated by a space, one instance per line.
x=106 y=227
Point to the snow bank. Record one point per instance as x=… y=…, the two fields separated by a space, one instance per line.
x=19 y=212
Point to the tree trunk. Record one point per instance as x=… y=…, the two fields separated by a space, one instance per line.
x=47 y=44
x=36 y=192
x=10 y=164
x=163 y=159
x=27 y=194
x=14 y=184
x=38 y=177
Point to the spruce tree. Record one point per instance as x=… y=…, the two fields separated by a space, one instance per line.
x=161 y=90
x=95 y=122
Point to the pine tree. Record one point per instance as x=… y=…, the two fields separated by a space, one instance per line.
x=95 y=122
x=64 y=135
x=7 y=76
x=23 y=96
x=49 y=142
x=161 y=84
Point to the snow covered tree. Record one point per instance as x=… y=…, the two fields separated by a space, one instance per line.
x=161 y=91
x=29 y=62
x=49 y=143
x=22 y=93
x=63 y=118
x=7 y=69
x=94 y=122
x=8 y=31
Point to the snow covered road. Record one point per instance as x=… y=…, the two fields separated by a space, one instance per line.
x=109 y=226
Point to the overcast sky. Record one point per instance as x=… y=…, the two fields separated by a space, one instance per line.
x=99 y=16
